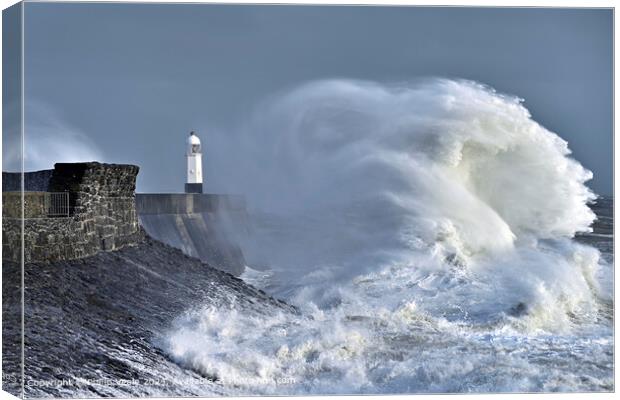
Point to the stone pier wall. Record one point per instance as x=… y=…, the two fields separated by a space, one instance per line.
x=102 y=216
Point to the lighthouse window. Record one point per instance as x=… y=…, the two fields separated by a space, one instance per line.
x=195 y=148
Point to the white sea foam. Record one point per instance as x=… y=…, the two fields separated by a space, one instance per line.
x=425 y=231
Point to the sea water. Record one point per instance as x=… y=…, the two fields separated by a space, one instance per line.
x=433 y=237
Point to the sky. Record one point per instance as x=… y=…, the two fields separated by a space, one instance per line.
x=127 y=82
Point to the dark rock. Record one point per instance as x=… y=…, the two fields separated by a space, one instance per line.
x=88 y=318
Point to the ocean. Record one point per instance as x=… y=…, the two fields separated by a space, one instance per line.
x=434 y=238
x=400 y=330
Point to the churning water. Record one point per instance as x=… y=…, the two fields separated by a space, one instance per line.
x=426 y=232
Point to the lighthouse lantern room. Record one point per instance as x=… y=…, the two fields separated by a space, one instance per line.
x=194 y=165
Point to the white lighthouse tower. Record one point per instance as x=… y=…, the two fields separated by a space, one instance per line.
x=194 y=165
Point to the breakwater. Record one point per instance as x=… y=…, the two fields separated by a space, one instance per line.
x=79 y=209
x=198 y=224
x=108 y=278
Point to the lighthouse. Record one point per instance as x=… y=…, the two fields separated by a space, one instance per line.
x=193 y=183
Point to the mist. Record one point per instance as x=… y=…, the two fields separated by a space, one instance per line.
x=48 y=139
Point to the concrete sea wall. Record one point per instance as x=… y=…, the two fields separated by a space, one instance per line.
x=197 y=224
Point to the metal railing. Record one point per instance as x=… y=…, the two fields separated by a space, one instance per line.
x=58 y=204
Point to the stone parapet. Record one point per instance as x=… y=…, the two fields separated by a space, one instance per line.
x=102 y=215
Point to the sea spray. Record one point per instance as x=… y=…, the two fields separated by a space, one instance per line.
x=425 y=232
